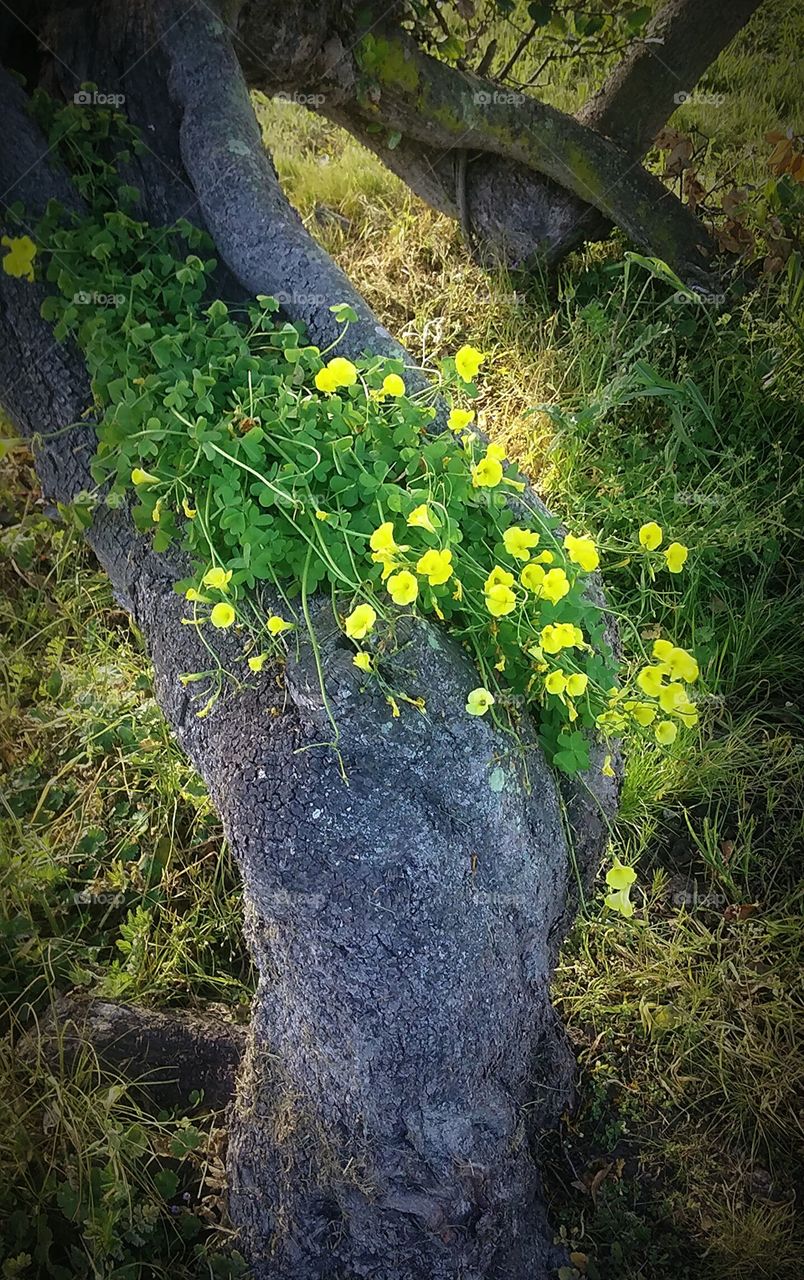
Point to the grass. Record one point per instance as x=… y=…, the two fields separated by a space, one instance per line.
x=679 y=1160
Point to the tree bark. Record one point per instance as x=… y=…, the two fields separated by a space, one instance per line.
x=403 y=922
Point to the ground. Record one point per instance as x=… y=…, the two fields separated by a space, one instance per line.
x=625 y=404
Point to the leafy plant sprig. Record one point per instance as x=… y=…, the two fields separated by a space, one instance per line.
x=269 y=461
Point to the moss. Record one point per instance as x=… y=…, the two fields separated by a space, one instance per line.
x=388 y=61
x=584 y=170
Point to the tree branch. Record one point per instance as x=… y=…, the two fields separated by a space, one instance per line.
x=166 y=1056
x=681 y=40
x=515 y=212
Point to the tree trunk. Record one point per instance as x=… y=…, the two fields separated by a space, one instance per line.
x=403 y=921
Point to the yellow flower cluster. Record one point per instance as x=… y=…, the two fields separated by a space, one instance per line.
x=560 y=635
x=662 y=684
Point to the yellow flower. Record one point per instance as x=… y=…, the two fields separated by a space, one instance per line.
x=554 y=586
x=360 y=622
x=650 y=535
x=277 y=625
x=550 y=639
x=576 y=684
x=557 y=636
x=258 y=661
x=583 y=552
x=544 y=557
x=674 y=701
x=651 y=680
x=479 y=701
x=436 y=566
x=382 y=541
x=322 y=515
x=619 y=879
x=487 y=473
x=662 y=649
x=393 y=385
x=420 y=518
x=156 y=514
x=610 y=721
x=666 y=732
x=519 y=542
x=192 y=594
x=362 y=660
x=556 y=682
x=19 y=259
x=671 y=696
x=675 y=556
x=189 y=511
x=337 y=373
x=495 y=452
x=467 y=361
x=532 y=577
x=138 y=476
x=389 y=563
x=460 y=418
x=394 y=705
x=644 y=713
x=682 y=664
x=606 y=769
x=498 y=578
x=222 y=616
x=403 y=588
x=217 y=578
x=500 y=600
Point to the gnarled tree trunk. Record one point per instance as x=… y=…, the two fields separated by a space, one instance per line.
x=403 y=920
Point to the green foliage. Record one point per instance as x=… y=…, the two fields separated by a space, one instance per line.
x=267 y=463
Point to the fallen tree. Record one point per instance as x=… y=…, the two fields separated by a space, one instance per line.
x=406 y=887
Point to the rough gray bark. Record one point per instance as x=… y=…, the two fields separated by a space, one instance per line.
x=402 y=925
